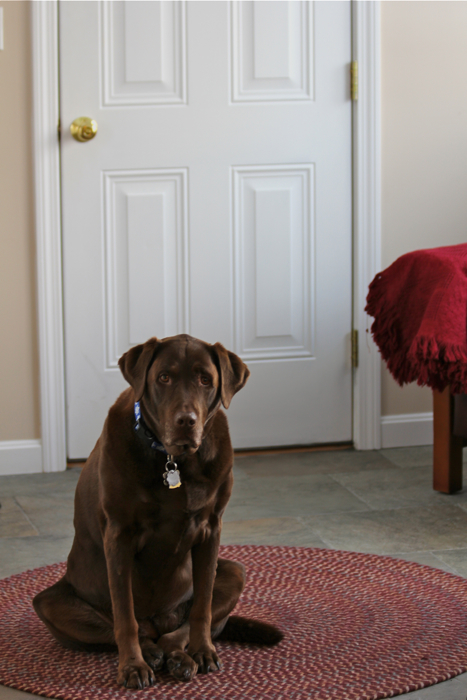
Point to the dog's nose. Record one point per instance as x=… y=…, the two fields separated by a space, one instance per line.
x=186 y=419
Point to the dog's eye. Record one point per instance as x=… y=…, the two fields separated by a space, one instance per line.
x=205 y=381
x=164 y=378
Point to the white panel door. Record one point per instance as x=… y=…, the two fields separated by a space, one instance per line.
x=215 y=200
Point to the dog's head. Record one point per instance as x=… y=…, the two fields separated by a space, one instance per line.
x=181 y=383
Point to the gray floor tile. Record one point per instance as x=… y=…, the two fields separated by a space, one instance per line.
x=413 y=456
x=462 y=681
x=390 y=531
x=279 y=531
x=409 y=456
x=13 y=521
x=309 y=463
x=449 y=690
x=289 y=496
x=12 y=694
x=457 y=559
x=49 y=515
x=20 y=553
x=428 y=559
x=398 y=488
x=239 y=474
x=57 y=483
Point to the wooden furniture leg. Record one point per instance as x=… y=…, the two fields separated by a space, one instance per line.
x=447 y=448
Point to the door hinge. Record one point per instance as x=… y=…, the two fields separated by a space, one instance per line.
x=354 y=350
x=59 y=130
x=354 y=81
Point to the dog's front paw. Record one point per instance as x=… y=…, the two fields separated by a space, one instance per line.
x=136 y=675
x=152 y=654
x=206 y=659
x=181 y=666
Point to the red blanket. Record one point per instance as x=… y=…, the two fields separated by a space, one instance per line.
x=419 y=304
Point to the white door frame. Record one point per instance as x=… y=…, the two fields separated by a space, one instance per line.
x=367 y=226
x=366 y=148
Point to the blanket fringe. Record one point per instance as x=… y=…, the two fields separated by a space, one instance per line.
x=427 y=361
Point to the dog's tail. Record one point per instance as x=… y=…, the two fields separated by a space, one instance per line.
x=245 y=630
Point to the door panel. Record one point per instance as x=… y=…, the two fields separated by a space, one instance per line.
x=215 y=199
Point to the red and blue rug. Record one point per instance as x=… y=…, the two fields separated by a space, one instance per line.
x=357 y=627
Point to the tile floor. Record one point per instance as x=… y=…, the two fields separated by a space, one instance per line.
x=380 y=502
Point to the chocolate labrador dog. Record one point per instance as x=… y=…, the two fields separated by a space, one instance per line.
x=143 y=573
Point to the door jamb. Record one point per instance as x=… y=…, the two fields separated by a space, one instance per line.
x=46 y=149
x=366 y=225
x=366 y=147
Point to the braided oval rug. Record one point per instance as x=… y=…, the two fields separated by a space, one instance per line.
x=357 y=627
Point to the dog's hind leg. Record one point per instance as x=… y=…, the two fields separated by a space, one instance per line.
x=228 y=585
x=72 y=621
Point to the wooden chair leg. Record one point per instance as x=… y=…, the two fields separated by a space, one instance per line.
x=447 y=448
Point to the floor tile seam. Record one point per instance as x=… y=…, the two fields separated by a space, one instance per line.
x=309 y=526
x=38 y=495
x=372 y=509
x=338 y=472
x=399 y=466
x=268 y=517
x=409 y=506
x=324 y=476
x=322 y=512
x=47 y=538
x=404 y=467
x=415 y=551
x=369 y=472
x=316 y=533
x=460 y=680
x=456 y=571
x=428 y=551
x=353 y=493
x=452 y=570
x=399 y=555
x=26 y=516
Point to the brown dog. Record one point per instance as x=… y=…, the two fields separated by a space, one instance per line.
x=143 y=573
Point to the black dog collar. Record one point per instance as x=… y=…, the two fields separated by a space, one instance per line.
x=171 y=475
x=142 y=429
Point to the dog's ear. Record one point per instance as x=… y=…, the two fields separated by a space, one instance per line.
x=135 y=365
x=233 y=373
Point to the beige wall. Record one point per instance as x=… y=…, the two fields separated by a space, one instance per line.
x=424 y=143
x=424 y=198
x=19 y=394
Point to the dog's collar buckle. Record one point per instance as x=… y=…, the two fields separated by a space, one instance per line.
x=171 y=475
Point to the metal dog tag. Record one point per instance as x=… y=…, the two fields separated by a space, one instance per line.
x=171 y=475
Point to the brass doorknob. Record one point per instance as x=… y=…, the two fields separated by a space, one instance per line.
x=83 y=129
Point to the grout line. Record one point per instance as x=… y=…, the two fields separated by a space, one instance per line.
x=315 y=532
x=360 y=498
x=44 y=538
x=321 y=512
x=26 y=515
x=446 y=564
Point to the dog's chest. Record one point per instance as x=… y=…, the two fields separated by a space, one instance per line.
x=174 y=515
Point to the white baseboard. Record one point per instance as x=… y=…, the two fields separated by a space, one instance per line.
x=407 y=430
x=20 y=457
